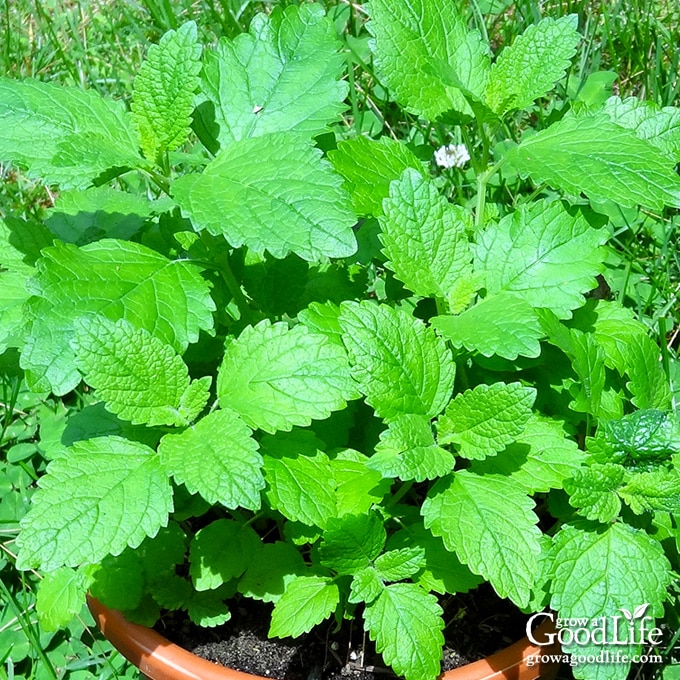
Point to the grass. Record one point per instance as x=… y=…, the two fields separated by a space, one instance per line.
x=100 y=44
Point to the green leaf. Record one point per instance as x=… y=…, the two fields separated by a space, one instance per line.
x=488 y=521
x=590 y=154
x=368 y=167
x=81 y=217
x=659 y=126
x=359 y=486
x=300 y=480
x=207 y=611
x=119 y=581
x=140 y=378
x=425 y=238
x=642 y=438
x=12 y=311
x=61 y=595
x=540 y=459
x=443 y=572
x=352 y=542
x=275 y=377
x=407 y=450
x=274 y=193
x=484 y=420
x=221 y=551
x=530 y=67
x=107 y=477
x=366 y=586
x=593 y=491
x=400 y=364
x=503 y=324
x=163 y=95
x=395 y=565
x=116 y=279
x=406 y=624
x=587 y=360
x=63 y=135
x=654 y=491
x=629 y=350
x=547 y=255
x=637 y=572
x=267 y=577
x=306 y=602
x=218 y=458
x=410 y=40
x=322 y=317
x=284 y=75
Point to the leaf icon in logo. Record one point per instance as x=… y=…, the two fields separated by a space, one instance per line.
x=640 y=611
x=626 y=613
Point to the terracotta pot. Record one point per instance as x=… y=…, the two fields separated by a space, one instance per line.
x=160 y=659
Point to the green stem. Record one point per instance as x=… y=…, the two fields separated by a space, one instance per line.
x=403 y=490
x=482 y=180
x=235 y=289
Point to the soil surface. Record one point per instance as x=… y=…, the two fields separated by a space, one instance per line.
x=478 y=624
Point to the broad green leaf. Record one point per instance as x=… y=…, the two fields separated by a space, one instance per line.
x=218 y=458
x=400 y=364
x=593 y=491
x=352 y=542
x=139 y=378
x=636 y=572
x=358 y=486
x=306 y=602
x=21 y=242
x=366 y=586
x=118 y=280
x=275 y=377
x=587 y=360
x=322 y=317
x=443 y=572
x=655 y=491
x=530 y=67
x=643 y=437
x=395 y=565
x=119 y=581
x=300 y=480
x=629 y=350
x=207 y=610
x=488 y=521
x=106 y=477
x=407 y=450
x=659 y=126
x=221 y=551
x=63 y=135
x=163 y=95
x=540 y=459
x=406 y=624
x=14 y=296
x=544 y=253
x=590 y=154
x=284 y=75
x=277 y=565
x=274 y=193
x=425 y=238
x=368 y=167
x=504 y=324
x=82 y=216
x=484 y=420
x=61 y=595
x=411 y=40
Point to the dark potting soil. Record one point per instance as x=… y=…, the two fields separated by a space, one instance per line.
x=478 y=624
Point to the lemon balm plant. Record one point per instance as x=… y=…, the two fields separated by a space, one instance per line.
x=312 y=379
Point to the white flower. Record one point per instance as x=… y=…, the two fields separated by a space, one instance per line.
x=452 y=156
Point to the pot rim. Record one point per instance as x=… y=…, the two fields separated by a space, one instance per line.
x=160 y=659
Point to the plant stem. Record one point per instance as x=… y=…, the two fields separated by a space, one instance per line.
x=482 y=180
x=235 y=289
